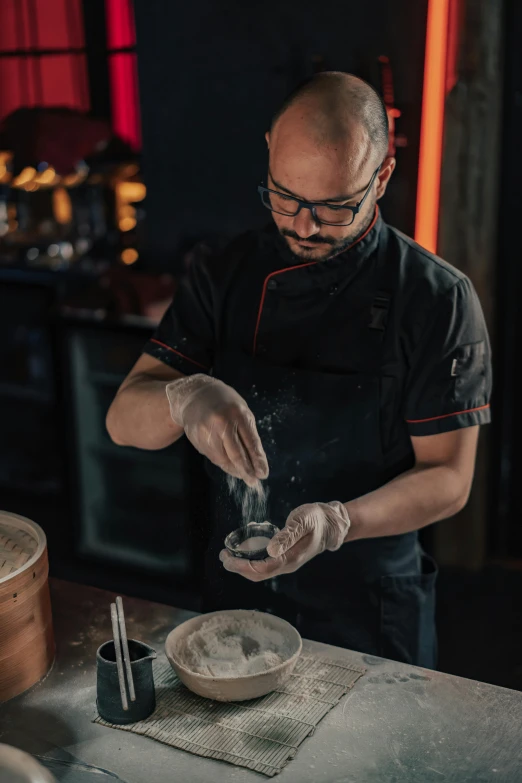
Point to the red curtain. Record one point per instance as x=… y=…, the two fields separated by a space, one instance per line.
x=57 y=79
x=60 y=78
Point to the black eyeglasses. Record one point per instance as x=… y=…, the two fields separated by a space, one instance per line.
x=329 y=214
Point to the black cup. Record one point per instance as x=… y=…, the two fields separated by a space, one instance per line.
x=108 y=696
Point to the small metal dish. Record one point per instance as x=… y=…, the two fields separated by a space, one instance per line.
x=237 y=537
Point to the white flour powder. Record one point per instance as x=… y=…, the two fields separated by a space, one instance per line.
x=253 y=544
x=226 y=646
x=251 y=500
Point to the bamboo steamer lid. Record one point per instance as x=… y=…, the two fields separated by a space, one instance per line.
x=26 y=631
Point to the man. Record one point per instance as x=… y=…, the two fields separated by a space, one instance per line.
x=351 y=361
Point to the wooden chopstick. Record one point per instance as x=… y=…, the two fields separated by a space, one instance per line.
x=125 y=647
x=119 y=662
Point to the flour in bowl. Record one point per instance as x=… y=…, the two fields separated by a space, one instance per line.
x=253 y=544
x=226 y=646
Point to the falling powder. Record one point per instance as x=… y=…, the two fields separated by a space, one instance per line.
x=226 y=646
x=251 y=500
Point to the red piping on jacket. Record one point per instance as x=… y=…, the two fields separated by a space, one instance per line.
x=192 y=361
x=446 y=415
x=301 y=266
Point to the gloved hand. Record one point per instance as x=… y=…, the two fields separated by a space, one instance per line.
x=309 y=530
x=220 y=425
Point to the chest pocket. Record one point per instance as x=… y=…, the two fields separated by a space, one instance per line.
x=469 y=371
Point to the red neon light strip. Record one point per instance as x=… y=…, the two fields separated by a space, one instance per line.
x=455 y=23
x=123 y=72
x=432 y=125
x=120 y=24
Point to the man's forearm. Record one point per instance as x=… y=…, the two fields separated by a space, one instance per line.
x=411 y=501
x=140 y=416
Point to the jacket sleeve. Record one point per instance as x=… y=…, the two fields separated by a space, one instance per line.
x=450 y=378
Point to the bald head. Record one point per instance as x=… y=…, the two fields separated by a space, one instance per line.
x=336 y=108
x=327 y=147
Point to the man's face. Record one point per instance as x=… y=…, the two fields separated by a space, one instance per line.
x=324 y=172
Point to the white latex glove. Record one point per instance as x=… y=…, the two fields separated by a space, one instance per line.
x=220 y=425
x=309 y=530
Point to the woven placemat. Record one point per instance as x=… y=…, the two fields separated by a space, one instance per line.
x=262 y=734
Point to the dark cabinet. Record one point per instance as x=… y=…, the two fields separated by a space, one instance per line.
x=133 y=507
x=30 y=462
x=115 y=517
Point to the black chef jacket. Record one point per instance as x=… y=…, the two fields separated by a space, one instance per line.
x=342 y=361
x=256 y=297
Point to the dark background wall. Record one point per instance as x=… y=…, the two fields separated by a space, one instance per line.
x=213 y=73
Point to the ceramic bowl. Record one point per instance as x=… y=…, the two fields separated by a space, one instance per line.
x=240 y=688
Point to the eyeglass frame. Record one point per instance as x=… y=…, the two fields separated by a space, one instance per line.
x=312 y=205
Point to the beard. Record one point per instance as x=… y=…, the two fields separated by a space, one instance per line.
x=332 y=247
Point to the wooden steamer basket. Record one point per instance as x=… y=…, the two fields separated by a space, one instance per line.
x=26 y=630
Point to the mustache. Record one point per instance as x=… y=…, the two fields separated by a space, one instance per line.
x=315 y=240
